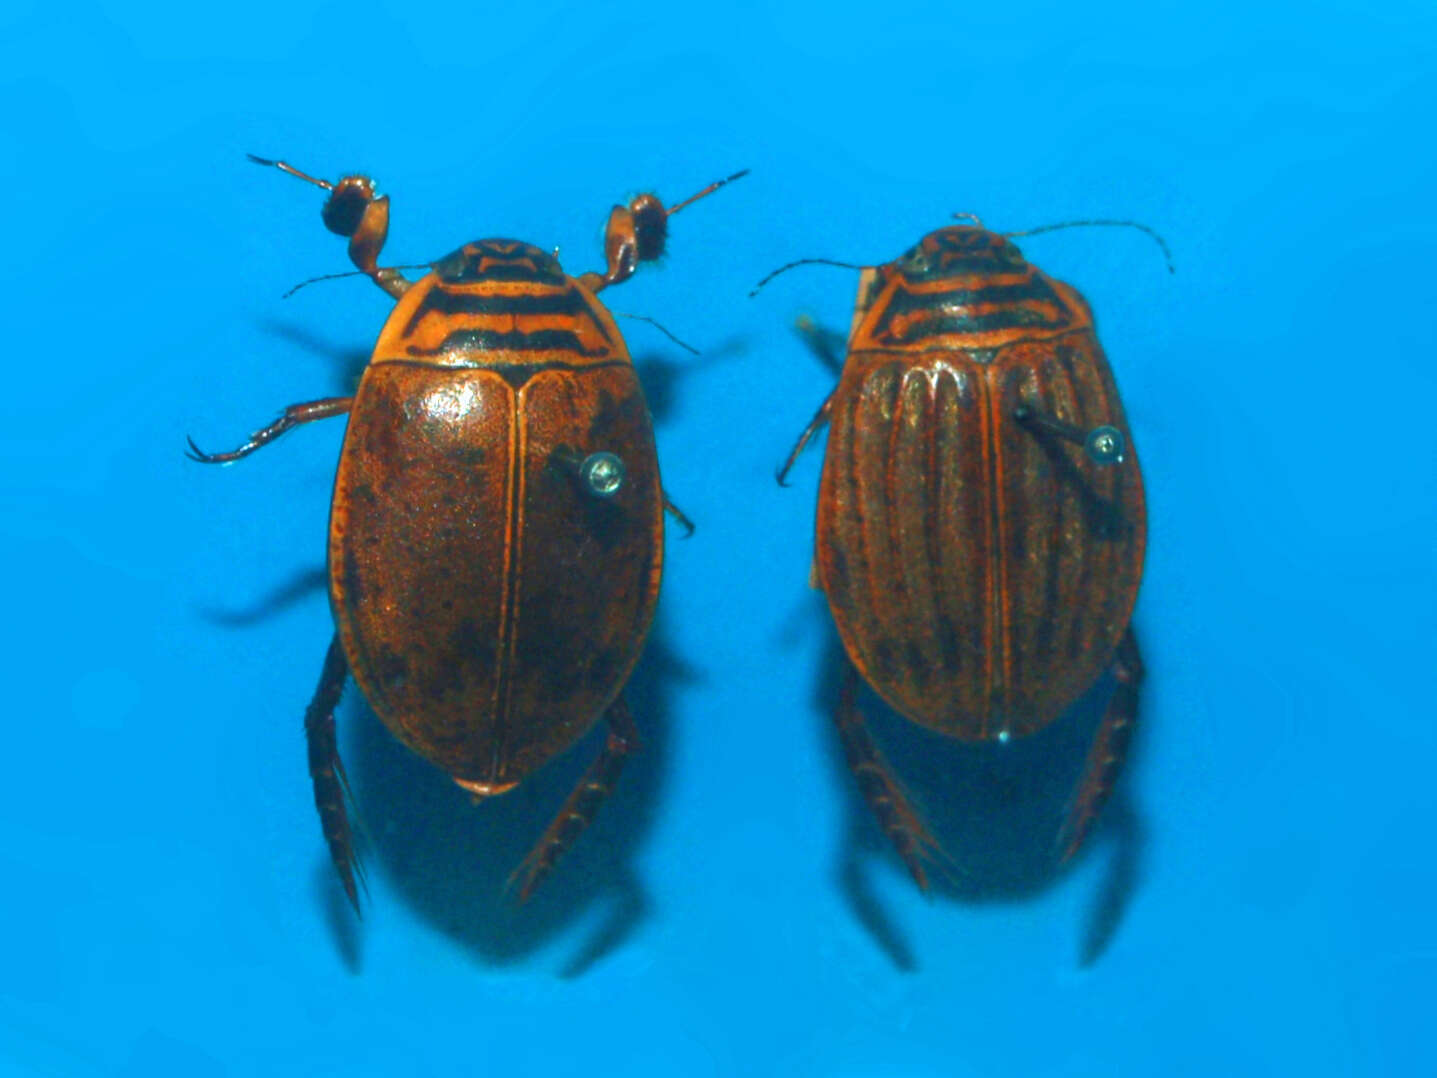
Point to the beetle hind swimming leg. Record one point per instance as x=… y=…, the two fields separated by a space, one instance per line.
x=579 y=810
x=1108 y=751
x=327 y=773
x=885 y=797
x=292 y=417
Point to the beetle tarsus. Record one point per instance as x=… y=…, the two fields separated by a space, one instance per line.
x=880 y=789
x=293 y=416
x=578 y=811
x=814 y=426
x=327 y=773
x=1109 y=749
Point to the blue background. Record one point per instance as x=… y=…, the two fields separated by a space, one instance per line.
x=1257 y=902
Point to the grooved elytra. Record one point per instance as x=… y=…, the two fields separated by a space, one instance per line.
x=981 y=569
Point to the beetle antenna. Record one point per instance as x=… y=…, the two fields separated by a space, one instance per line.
x=351 y=273
x=710 y=189
x=977 y=221
x=656 y=324
x=283 y=167
x=802 y=262
x=1103 y=223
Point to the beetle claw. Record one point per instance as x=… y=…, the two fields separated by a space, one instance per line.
x=195 y=453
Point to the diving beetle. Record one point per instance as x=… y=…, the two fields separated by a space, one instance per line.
x=981 y=519
x=496 y=528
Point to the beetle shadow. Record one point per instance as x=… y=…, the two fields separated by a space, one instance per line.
x=300 y=586
x=349 y=362
x=995 y=810
x=339 y=917
x=661 y=371
x=450 y=859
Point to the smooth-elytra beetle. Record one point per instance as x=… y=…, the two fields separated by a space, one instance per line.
x=981 y=519
x=496 y=530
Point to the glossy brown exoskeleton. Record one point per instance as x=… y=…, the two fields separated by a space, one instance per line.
x=981 y=518
x=496 y=531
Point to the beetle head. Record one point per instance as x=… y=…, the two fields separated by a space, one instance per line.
x=507 y=260
x=960 y=250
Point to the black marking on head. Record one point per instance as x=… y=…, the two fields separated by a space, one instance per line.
x=960 y=251
x=499 y=260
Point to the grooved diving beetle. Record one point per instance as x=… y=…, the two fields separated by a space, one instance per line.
x=981 y=518
x=496 y=530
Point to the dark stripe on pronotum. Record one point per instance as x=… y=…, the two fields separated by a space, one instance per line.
x=1033 y=290
x=489 y=340
x=566 y=303
x=940 y=323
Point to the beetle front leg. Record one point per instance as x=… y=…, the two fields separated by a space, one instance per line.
x=578 y=811
x=824 y=343
x=327 y=773
x=880 y=789
x=353 y=210
x=637 y=233
x=293 y=416
x=1109 y=748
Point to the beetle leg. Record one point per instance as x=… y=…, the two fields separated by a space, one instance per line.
x=880 y=789
x=814 y=425
x=678 y=514
x=1109 y=749
x=327 y=773
x=353 y=210
x=589 y=794
x=292 y=417
x=637 y=233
